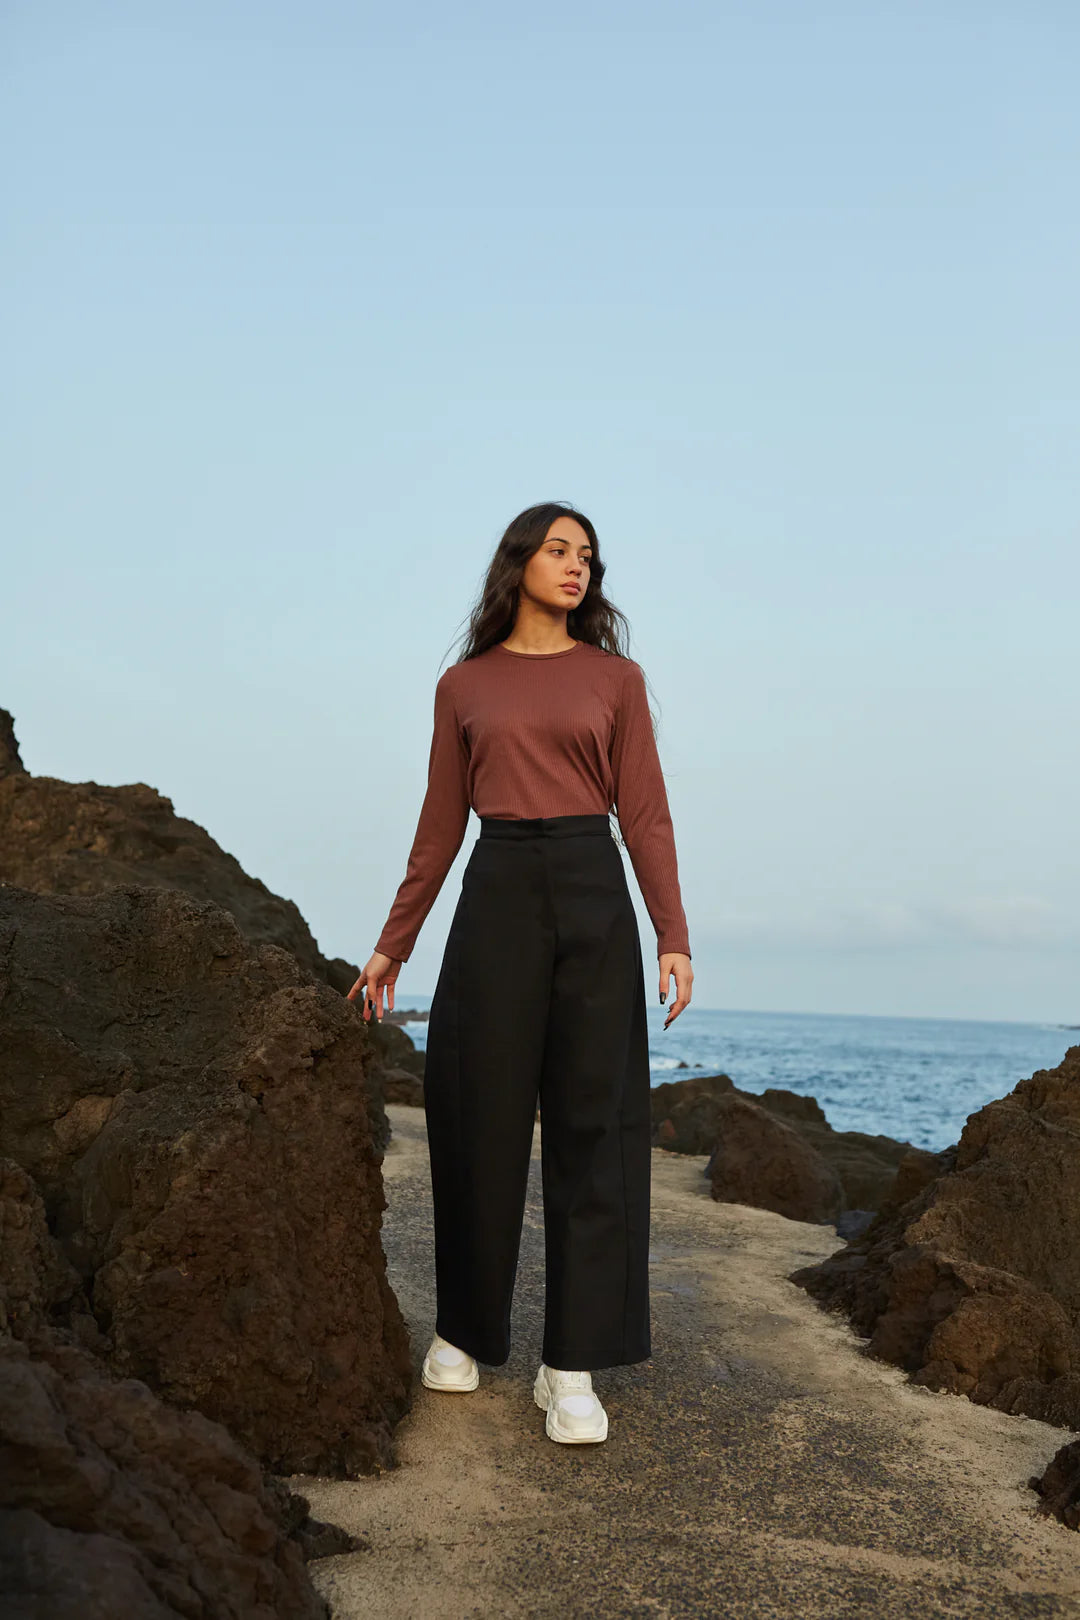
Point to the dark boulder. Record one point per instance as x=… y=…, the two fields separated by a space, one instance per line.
x=401 y=1086
x=687 y=1117
x=10 y=760
x=973 y=1283
x=194 y=1111
x=686 y=1113
x=1059 y=1486
x=760 y=1160
x=395 y=1073
x=113 y=1504
x=80 y=838
x=61 y=837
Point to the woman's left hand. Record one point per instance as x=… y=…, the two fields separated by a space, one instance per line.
x=676 y=964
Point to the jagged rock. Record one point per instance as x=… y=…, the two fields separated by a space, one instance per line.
x=394 y=1049
x=10 y=762
x=685 y=1113
x=687 y=1116
x=917 y=1169
x=1059 y=1486
x=37 y=1283
x=973 y=1283
x=81 y=838
x=113 y=1504
x=866 y=1164
x=402 y=1087
x=396 y=1074
x=760 y=1160
x=193 y=1109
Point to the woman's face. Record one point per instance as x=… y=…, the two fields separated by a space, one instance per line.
x=557 y=575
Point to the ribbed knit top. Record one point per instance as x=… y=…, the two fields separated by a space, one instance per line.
x=542 y=734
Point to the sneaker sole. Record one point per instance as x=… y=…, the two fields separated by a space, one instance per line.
x=555 y=1431
x=449 y=1389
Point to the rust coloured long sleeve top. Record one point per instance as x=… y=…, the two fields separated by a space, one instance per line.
x=541 y=734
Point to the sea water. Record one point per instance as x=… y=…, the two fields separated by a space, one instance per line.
x=916 y=1079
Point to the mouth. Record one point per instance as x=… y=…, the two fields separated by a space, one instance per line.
x=575 y=589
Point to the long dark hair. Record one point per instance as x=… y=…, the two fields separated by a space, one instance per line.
x=594 y=618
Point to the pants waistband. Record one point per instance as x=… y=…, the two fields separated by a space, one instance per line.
x=543 y=826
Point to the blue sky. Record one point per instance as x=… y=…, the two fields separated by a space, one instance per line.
x=305 y=302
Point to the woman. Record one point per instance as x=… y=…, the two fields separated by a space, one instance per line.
x=541 y=727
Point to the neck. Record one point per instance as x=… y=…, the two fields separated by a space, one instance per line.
x=538 y=631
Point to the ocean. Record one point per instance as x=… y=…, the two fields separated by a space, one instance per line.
x=916 y=1079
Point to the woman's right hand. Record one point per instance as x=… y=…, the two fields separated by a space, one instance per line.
x=379 y=974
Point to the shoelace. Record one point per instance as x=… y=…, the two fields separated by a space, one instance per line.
x=573 y=1380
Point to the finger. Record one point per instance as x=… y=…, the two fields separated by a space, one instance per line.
x=665 y=984
x=390 y=995
x=676 y=1008
x=370 y=994
x=352 y=994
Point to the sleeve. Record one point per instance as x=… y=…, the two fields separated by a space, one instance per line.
x=644 y=817
x=440 y=829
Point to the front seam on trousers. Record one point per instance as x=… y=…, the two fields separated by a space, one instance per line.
x=540 y=983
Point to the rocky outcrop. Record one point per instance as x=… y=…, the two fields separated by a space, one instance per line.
x=866 y=1165
x=973 y=1283
x=193 y=1110
x=10 y=760
x=689 y=1116
x=402 y=1087
x=685 y=1113
x=1059 y=1486
x=112 y=1503
x=396 y=1073
x=761 y=1160
x=80 y=838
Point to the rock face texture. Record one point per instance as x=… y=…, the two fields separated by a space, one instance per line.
x=1059 y=1486
x=10 y=760
x=113 y=1504
x=396 y=1074
x=79 y=838
x=761 y=1160
x=775 y=1149
x=193 y=1111
x=686 y=1113
x=972 y=1280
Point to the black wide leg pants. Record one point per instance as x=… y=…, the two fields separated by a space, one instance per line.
x=541 y=994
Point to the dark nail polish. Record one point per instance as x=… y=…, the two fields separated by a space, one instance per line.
x=663 y=997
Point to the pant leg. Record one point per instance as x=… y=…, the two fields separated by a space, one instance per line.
x=595 y=1116
x=484 y=1051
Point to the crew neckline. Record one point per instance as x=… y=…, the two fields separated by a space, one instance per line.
x=515 y=654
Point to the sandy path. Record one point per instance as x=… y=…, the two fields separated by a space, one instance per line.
x=759 y=1465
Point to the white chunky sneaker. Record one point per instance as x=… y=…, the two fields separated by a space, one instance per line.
x=574 y=1413
x=447 y=1367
